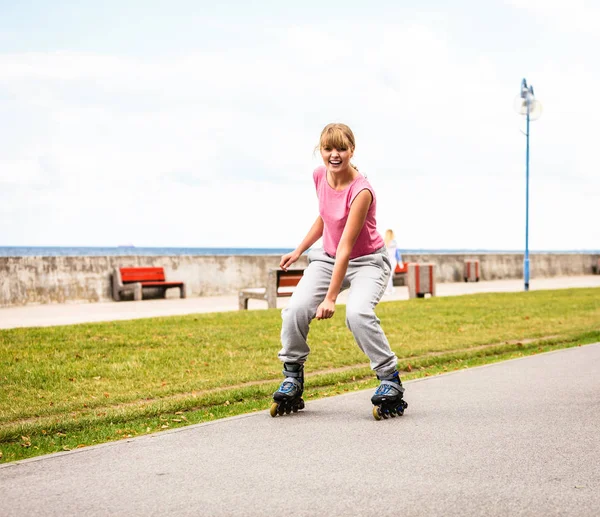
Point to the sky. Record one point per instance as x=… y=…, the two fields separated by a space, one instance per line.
x=194 y=124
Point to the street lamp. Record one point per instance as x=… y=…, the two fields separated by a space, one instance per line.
x=527 y=105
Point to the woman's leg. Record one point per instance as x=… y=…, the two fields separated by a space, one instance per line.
x=368 y=278
x=302 y=308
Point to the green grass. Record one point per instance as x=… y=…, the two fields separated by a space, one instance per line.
x=73 y=386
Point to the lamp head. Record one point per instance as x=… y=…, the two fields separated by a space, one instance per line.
x=526 y=91
x=524 y=88
x=526 y=103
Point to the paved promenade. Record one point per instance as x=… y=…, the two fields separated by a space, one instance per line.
x=69 y=313
x=518 y=438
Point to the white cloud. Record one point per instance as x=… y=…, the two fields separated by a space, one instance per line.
x=215 y=147
x=27 y=172
x=573 y=16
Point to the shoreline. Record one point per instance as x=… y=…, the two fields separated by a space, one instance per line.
x=128 y=251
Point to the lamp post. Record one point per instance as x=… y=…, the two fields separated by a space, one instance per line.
x=531 y=108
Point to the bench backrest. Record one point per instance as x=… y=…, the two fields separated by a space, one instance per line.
x=403 y=269
x=289 y=278
x=142 y=274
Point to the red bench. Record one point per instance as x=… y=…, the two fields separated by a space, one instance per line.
x=401 y=270
x=399 y=275
x=134 y=279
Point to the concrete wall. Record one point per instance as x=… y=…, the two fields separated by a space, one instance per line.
x=35 y=280
x=25 y=280
x=498 y=266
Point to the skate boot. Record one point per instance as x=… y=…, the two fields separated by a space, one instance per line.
x=288 y=397
x=387 y=399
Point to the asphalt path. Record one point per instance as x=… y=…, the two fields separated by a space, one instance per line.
x=520 y=437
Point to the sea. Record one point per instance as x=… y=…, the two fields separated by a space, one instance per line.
x=76 y=251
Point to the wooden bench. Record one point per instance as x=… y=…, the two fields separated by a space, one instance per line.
x=279 y=283
x=400 y=273
x=134 y=279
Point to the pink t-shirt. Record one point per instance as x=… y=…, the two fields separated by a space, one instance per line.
x=334 y=207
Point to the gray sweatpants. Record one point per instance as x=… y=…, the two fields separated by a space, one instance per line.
x=367 y=279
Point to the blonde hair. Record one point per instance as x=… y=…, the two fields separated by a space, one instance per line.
x=389 y=237
x=337 y=136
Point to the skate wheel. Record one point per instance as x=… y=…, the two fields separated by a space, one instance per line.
x=281 y=410
x=288 y=410
x=273 y=410
x=376 y=413
x=393 y=413
x=295 y=409
x=400 y=409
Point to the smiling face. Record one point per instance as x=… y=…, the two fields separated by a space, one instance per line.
x=337 y=147
x=335 y=159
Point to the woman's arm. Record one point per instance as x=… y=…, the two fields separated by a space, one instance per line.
x=313 y=235
x=354 y=224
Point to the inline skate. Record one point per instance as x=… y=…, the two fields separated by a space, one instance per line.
x=288 y=397
x=387 y=399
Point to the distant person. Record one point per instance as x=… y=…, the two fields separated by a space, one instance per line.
x=394 y=255
x=353 y=256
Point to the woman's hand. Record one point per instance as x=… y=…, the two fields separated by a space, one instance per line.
x=326 y=310
x=288 y=259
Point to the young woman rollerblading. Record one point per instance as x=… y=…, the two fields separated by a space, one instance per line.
x=353 y=257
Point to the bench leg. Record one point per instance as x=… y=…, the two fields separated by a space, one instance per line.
x=182 y=291
x=242 y=302
x=272 y=300
x=115 y=288
x=137 y=292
